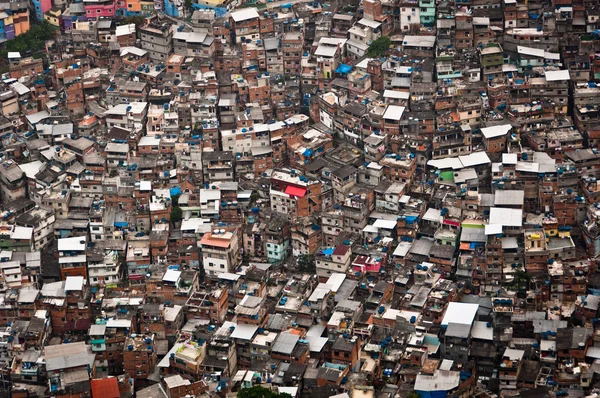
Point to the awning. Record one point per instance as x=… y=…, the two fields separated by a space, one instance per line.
x=465 y=246
x=295 y=191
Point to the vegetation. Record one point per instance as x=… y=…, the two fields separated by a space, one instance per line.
x=137 y=20
x=379 y=47
x=521 y=281
x=306 y=263
x=260 y=392
x=176 y=214
x=32 y=41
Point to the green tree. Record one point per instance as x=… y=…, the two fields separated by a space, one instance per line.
x=176 y=214
x=306 y=263
x=379 y=47
x=521 y=281
x=260 y=392
x=31 y=41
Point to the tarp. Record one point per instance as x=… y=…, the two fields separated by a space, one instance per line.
x=121 y=224
x=175 y=191
x=344 y=69
x=295 y=191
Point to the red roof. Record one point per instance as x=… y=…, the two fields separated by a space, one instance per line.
x=105 y=388
x=340 y=250
x=295 y=191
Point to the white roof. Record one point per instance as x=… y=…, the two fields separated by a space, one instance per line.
x=495 y=131
x=550 y=345
x=14 y=54
x=244 y=332
x=172 y=312
x=509 y=68
x=76 y=243
x=535 y=52
x=402 y=249
x=393 y=112
x=474 y=159
x=145 y=185
x=325 y=50
x=165 y=362
x=149 y=140
x=244 y=14
x=32 y=168
x=493 y=229
x=370 y=23
x=528 y=167
x=315 y=341
x=125 y=29
x=506 y=217
x=121 y=109
x=442 y=380
x=396 y=94
x=461 y=313
x=419 y=41
x=118 y=323
x=481 y=331
x=20 y=88
x=557 y=75
x=335 y=281
x=509 y=197
x=228 y=276
x=513 y=354
x=172 y=275
x=370 y=229
x=433 y=214
x=446 y=163
x=21 y=233
x=363 y=64
x=509 y=158
x=385 y=224
x=592 y=352
x=320 y=292
x=510 y=242
x=133 y=50
x=74 y=283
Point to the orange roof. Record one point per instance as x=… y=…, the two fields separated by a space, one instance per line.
x=105 y=388
x=465 y=246
x=210 y=240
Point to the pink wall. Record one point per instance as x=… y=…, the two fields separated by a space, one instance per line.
x=46 y=5
x=100 y=10
x=373 y=267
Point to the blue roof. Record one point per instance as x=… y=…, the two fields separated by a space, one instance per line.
x=343 y=68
